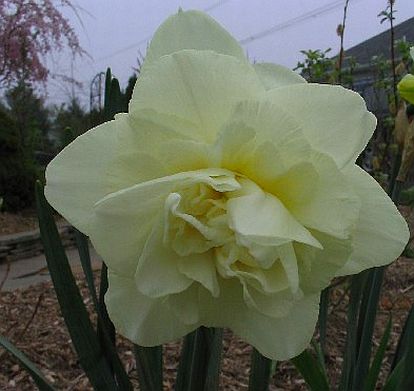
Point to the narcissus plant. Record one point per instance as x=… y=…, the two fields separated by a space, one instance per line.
x=227 y=196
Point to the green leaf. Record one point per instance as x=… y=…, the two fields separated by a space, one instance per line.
x=260 y=372
x=350 y=352
x=182 y=380
x=76 y=317
x=311 y=371
x=407 y=377
x=214 y=363
x=37 y=376
x=394 y=380
x=200 y=360
x=323 y=319
x=319 y=354
x=403 y=344
x=105 y=325
x=85 y=259
x=149 y=367
x=374 y=371
x=366 y=323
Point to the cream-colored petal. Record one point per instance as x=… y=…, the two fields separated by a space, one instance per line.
x=317 y=267
x=381 y=233
x=139 y=154
x=331 y=204
x=191 y=30
x=185 y=155
x=263 y=219
x=276 y=338
x=185 y=305
x=199 y=87
x=273 y=305
x=201 y=268
x=144 y=321
x=157 y=273
x=334 y=120
x=274 y=75
x=271 y=124
x=108 y=158
x=76 y=178
x=288 y=259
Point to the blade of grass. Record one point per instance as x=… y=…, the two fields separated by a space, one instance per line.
x=76 y=317
x=35 y=373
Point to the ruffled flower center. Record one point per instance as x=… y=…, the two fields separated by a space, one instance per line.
x=247 y=233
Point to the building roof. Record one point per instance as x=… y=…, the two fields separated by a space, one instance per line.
x=380 y=44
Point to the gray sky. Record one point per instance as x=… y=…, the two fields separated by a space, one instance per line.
x=114 y=31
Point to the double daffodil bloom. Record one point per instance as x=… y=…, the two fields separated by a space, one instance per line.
x=227 y=196
x=406 y=85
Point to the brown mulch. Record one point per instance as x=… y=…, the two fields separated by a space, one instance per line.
x=26 y=220
x=31 y=319
x=11 y=223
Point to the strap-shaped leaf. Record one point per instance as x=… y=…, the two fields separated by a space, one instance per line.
x=394 y=380
x=200 y=359
x=260 y=372
x=374 y=371
x=311 y=371
x=350 y=352
x=214 y=363
x=85 y=259
x=149 y=367
x=35 y=373
x=407 y=377
x=323 y=318
x=76 y=317
x=367 y=316
x=403 y=340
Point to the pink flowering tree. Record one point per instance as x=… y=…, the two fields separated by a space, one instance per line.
x=29 y=30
